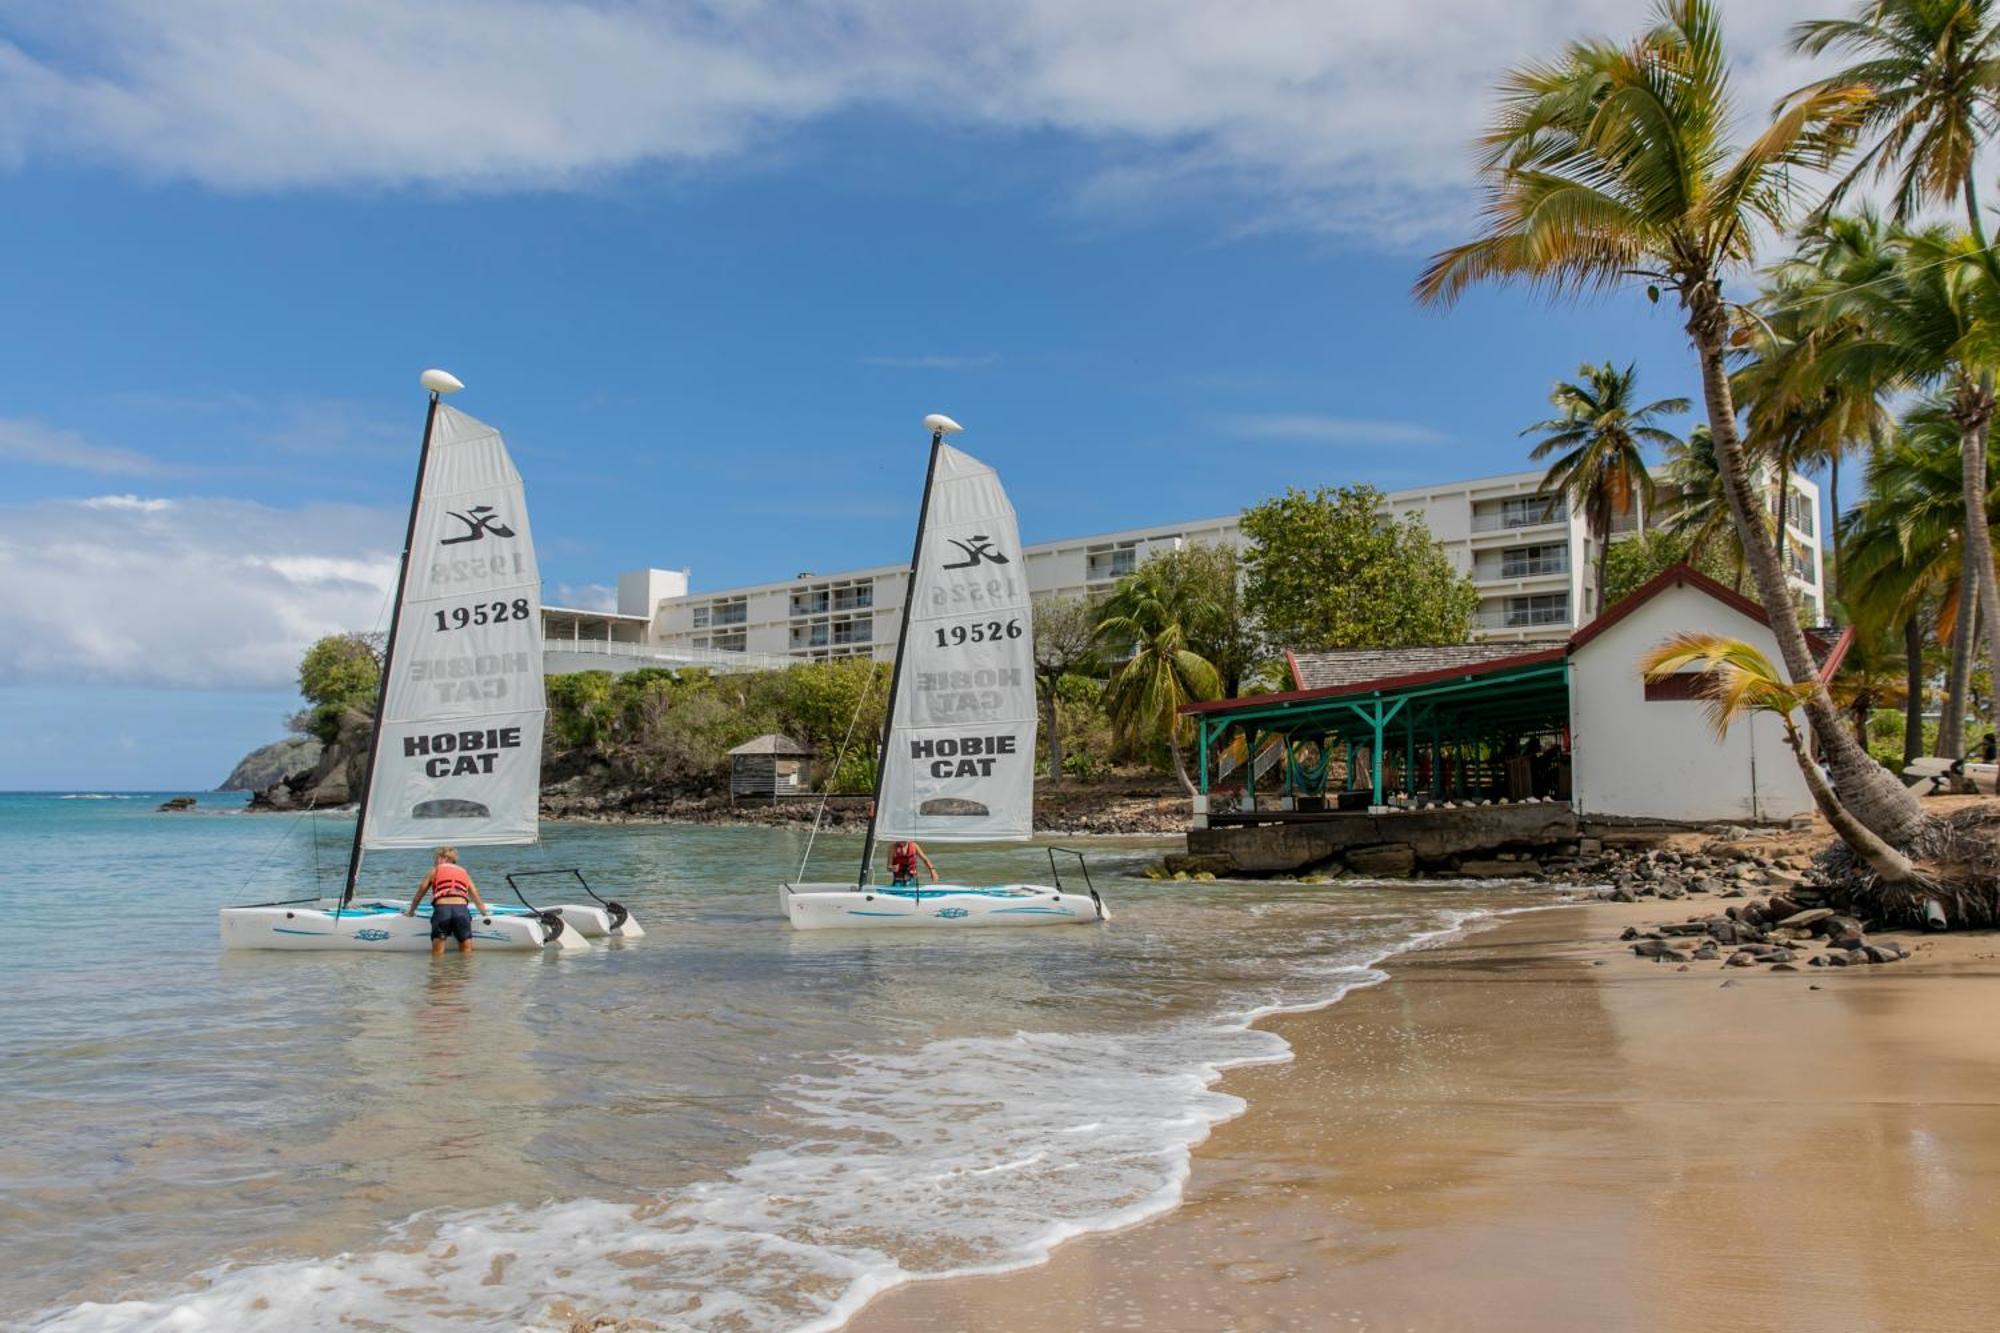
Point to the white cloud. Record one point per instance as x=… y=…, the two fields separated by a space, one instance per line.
x=584 y=596
x=201 y=593
x=1309 y=428
x=26 y=441
x=931 y=362
x=132 y=502
x=1343 y=116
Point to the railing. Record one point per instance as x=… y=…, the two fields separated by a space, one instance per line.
x=713 y=658
x=1521 y=569
x=1524 y=617
x=1502 y=520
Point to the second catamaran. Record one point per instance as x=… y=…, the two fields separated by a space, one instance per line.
x=958 y=762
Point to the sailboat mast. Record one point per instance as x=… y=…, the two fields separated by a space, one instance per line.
x=389 y=655
x=896 y=666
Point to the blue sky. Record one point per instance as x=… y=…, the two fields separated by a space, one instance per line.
x=707 y=275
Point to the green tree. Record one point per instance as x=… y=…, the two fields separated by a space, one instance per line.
x=1065 y=645
x=1613 y=162
x=1147 y=615
x=1928 y=74
x=1639 y=558
x=1933 y=324
x=1325 y=569
x=1220 y=627
x=1598 y=447
x=338 y=673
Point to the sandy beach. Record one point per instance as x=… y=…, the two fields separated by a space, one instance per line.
x=1532 y=1129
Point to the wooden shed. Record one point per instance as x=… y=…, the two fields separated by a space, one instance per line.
x=770 y=765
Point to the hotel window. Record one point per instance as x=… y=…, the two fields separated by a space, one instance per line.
x=1525 y=511
x=812 y=603
x=854 y=631
x=701 y=618
x=1801 y=515
x=857 y=598
x=733 y=612
x=1548 y=608
x=1111 y=562
x=1520 y=562
x=734 y=642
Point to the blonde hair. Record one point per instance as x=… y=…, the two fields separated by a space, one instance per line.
x=447 y=854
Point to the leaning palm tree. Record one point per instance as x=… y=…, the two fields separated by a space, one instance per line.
x=1737 y=680
x=1929 y=76
x=1598 y=443
x=1613 y=162
x=1147 y=616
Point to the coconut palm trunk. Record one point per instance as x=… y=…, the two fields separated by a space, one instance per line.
x=1874 y=795
x=1974 y=425
x=1888 y=863
x=1958 y=680
x=1913 y=689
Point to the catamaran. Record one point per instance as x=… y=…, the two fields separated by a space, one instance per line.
x=455 y=756
x=958 y=762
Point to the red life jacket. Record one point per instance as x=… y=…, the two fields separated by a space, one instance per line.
x=450 y=884
x=903 y=861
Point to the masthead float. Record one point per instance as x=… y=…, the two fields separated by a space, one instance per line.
x=957 y=763
x=455 y=748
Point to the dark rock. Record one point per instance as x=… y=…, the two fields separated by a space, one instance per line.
x=1847 y=942
x=1883 y=953
x=1781 y=956
x=1733 y=893
x=1740 y=959
x=1817 y=960
x=1622 y=896
x=1836 y=925
x=178 y=803
x=1706 y=953
x=1804 y=919
x=1783 y=967
x=1655 y=949
x=1393 y=860
x=1685 y=928
x=1671 y=888
x=1629 y=933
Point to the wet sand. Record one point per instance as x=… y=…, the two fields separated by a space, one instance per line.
x=1533 y=1130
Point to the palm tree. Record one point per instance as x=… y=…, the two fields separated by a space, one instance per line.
x=1600 y=466
x=1613 y=162
x=1928 y=72
x=1738 y=680
x=1801 y=414
x=1906 y=548
x=1148 y=615
x=1872 y=675
x=1934 y=324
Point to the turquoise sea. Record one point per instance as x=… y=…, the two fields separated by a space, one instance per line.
x=725 y=1125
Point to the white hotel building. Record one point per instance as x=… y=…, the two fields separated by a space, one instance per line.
x=1533 y=562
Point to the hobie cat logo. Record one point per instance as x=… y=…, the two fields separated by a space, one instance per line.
x=371 y=935
x=951 y=913
x=480 y=520
x=978 y=551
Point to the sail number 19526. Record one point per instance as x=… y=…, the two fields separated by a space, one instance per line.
x=979 y=631
x=482 y=613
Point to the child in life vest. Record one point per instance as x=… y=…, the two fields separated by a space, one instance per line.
x=903 y=858
x=452 y=896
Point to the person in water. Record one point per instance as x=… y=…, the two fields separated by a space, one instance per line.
x=453 y=895
x=903 y=858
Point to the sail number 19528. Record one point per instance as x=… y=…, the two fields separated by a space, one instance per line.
x=482 y=613
x=979 y=631
x=486 y=567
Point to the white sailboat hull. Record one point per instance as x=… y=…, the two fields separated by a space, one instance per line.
x=595 y=923
x=937 y=907
x=381 y=928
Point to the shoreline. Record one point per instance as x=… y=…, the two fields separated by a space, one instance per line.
x=1528 y=1127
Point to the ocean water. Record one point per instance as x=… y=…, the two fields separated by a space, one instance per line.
x=725 y=1125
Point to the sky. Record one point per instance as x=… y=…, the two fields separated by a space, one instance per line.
x=707 y=267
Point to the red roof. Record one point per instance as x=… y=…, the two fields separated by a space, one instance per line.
x=1681 y=575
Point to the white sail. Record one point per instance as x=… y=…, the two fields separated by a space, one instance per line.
x=960 y=763
x=459 y=755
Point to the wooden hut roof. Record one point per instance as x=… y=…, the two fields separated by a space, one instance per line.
x=773 y=743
